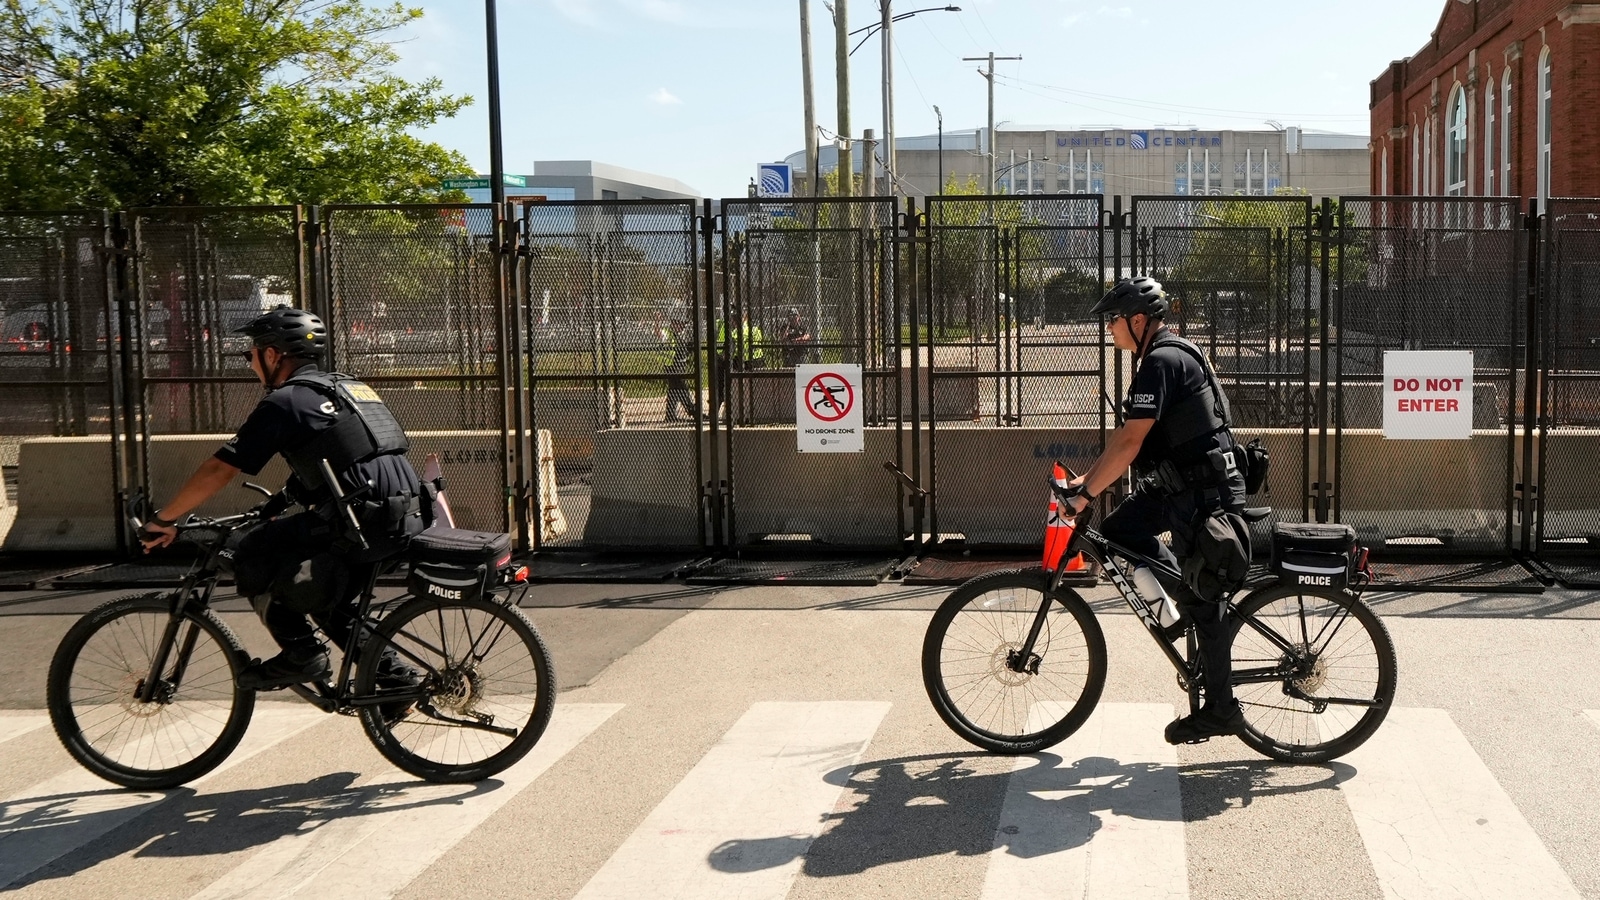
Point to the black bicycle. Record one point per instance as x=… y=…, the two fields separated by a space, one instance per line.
x=142 y=691
x=1014 y=661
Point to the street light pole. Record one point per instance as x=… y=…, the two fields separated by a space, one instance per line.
x=497 y=163
x=989 y=76
x=886 y=37
x=940 y=116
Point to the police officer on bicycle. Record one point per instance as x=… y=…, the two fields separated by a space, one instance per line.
x=1176 y=437
x=314 y=562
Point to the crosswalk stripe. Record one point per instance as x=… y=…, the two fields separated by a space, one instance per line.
x=17 y=726
x=739 y=823
x=1435 y=821
x=400 y=828
x=61 y=814
x=1113 y=783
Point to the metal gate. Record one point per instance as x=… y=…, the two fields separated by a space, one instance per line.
x=1429 y=274
x=1239 y=273
x=837 y=265
x=1010 y=344
x=1568 y=531
x=610 y=381
x=414 y=299
x=58 y=352
x=197 y=275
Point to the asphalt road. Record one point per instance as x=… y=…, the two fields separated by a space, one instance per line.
x=776 y=742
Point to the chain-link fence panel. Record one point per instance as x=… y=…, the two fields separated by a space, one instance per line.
x=1010 y=343
x=1569 y=432
x=198 y=275
x=797 y=281
x=1428 y=274
x=414 y=300
x=1239 y=272
x=613 y=333
x=58 y=360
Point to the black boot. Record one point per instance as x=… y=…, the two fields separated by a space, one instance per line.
x=295 y=665
x=1209 y=722
x=395 y=675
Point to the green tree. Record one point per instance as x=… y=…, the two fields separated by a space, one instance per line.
x=212 y=102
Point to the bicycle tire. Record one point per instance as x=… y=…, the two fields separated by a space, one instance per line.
x=1357 y=665
x=1076 y=663
x=420 y=631
x=127 y=625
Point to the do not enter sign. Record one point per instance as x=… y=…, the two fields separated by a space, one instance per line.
x=827 y=408
x=1427 y=394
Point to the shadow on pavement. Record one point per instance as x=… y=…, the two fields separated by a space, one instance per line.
x=185 y=823
x=926 y=806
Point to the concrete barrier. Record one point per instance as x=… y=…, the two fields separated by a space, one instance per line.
x=65 y=497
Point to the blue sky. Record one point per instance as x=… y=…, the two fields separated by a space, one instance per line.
x=702 y=90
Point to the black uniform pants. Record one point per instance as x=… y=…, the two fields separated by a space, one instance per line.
x=1136 y=524
x=289 y=571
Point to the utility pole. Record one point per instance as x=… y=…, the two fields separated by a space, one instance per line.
x=845 y=170
x=886 y=36
x=869 y=164
x=811 y=111
x=989 y=75
x=940 y=189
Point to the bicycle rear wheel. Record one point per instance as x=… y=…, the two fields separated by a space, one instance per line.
x=1314 y=671
x=197 y=715
x=968 y=659
x=488 y=688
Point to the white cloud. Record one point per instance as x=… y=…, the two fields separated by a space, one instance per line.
x=1071 y=20
x=1119 y=11
x=665 y=97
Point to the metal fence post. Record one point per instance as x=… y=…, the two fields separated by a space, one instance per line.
x=1536 y=368
x=909 y=241
x=1324 y=239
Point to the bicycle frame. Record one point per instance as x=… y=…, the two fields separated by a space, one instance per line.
x=1107 y=553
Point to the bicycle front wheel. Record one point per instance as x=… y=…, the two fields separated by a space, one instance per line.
x=1314 y=672
x=195 y=717
x=487 y=691
x=982 y=687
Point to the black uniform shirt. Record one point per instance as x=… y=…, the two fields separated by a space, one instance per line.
x=290 y=416
x=1167 y=376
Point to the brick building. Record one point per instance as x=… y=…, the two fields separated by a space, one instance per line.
x=1504 y=99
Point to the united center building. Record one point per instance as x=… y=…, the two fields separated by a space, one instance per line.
x=1125 y=162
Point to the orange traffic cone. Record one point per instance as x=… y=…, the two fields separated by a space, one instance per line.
x=1057 y=525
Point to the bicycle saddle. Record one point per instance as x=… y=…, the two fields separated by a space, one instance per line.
x=1255 y=513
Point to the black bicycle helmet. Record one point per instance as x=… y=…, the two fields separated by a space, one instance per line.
x=1134 y=296
x=292 y=332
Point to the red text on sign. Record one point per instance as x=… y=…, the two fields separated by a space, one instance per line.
x=1430 y=384
x=1430 y=405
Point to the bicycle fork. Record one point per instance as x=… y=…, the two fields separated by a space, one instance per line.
x=158 y=663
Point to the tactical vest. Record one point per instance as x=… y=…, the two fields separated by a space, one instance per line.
x=1200 y=414
x=363 y=429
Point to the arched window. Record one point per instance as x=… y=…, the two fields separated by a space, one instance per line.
x=1506 y=187
x=1489 y=137
x=1455 y=146
x=1544 y=126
